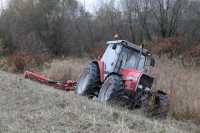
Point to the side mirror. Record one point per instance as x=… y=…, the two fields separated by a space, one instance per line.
x=114 y=47
x=99 y=57
x=152 y=63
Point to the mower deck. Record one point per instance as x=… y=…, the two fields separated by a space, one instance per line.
x=67 y=85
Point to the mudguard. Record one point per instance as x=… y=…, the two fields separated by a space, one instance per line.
x=132 y=78
x=100 y=65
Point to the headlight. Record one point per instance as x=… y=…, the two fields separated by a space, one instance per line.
x=140 y=87
x=131 y=78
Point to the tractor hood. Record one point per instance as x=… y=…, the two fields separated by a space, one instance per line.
x=131 y=77
x=127 y=74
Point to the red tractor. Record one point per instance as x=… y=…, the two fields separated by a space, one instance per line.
x=123 y=73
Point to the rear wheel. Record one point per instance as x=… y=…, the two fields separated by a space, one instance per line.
x=156 y=105
x=88 y=82
x=161 y=104
x=112 y=89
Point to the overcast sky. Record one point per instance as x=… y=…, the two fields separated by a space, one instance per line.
x=3 y=3
x=93 y=5
x=90 y=5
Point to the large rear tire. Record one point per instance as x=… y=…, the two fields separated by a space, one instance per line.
x=161 y=104
x=88 y=82
x=111 y=89
x=156 y=105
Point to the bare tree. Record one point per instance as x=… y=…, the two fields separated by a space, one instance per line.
x=167 y=14
x=130 y=10
x=64 y=27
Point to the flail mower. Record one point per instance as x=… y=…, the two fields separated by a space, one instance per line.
x=121 y=75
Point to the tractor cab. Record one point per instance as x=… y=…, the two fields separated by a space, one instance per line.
x=122 y=55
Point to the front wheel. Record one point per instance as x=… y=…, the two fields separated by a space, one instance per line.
x=112 y=88
x=89 y=81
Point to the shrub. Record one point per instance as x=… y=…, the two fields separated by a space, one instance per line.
x=19 y=62
x=167 y=46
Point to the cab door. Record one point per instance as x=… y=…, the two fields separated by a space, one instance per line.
x=110 y=58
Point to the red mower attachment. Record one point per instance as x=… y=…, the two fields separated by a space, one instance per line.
x=67 y=85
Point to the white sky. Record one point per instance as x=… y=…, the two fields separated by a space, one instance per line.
x=3 y=3
x=91 y=5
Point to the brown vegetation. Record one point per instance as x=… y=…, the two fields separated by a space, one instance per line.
x=168 y=46
x=19 y=62
x=183 y=86
x=192 y=56
x=66 y=69
x=179 y=82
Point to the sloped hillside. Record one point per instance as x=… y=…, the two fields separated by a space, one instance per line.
x=26 y=106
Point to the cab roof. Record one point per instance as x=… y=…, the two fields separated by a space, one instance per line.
x=129 y=45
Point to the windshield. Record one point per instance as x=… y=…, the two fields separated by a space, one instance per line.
x=132 y=59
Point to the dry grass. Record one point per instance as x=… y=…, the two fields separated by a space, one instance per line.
x=30 y=107
x=183 y=85
x=69 y=68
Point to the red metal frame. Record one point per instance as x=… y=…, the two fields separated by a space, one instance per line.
x=101 y=70
x=131 y=78
x=127 y=74
x=66 y=85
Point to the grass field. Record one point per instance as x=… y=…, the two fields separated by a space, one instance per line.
x=26 y=106
x=181 y=83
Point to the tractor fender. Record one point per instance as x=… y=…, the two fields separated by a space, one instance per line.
x=132 y=78
x=100 y=66
x=113 y=73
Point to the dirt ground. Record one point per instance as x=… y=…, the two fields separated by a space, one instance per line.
x=26 y=107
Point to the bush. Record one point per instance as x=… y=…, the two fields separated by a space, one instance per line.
x=19 y=62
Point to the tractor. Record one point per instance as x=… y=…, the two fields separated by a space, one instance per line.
x=123 y=73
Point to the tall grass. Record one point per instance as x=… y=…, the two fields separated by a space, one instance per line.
x=65 y=69
x=183 y=86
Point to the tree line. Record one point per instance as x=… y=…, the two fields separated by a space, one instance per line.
x=64 y=27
